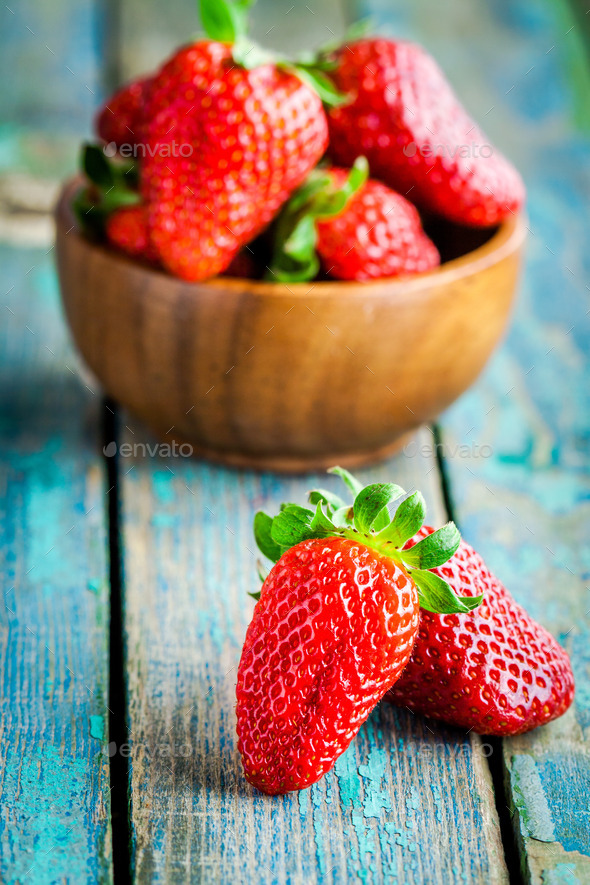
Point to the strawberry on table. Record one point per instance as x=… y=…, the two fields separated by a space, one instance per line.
x=356 y=229
x=404 y=117
x=494 y=670
x=334 y=626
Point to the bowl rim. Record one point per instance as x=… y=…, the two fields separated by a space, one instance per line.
x=506 y=240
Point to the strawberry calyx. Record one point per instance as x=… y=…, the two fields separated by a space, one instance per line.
x=226 y=21
x=295 y=257
x=111 y=184
x=368 y=521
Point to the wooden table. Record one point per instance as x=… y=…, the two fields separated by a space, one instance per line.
x=125 y=579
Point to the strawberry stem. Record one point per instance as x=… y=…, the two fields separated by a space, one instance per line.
x=368 y=521
x=295 y=235
x=225 y=21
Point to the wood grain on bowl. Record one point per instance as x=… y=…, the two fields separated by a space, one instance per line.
x=285 y=376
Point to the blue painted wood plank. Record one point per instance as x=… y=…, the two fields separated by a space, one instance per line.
x=54 y=614
x=54 y=789
x=48 y=71
x=525 y=503
x=408 y=802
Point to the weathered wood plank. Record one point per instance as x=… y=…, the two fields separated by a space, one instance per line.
x=408 y=802
x=54 y=774
x=48 y=67
x=54 y=790
x=516 y=446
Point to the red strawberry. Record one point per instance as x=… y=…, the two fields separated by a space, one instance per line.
x=120 y=118
x=218 y=168
x=404 y=117
x=332 y=630
x=379 y=234
x=230 y=133
x=358 y=229
x=494 y=670
x=192 y=68
x=127 y=229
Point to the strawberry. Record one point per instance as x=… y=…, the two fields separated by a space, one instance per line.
x=126 y=228
x=230 y=134
x=404 y=117
x=119 y=120
x=246 y=148
x=356 y=229
x=333 y=627
x=494 y=670
x=190 y=69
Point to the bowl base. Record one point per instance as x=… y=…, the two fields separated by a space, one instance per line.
x=293 y=463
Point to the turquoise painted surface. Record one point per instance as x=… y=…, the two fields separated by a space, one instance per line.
x=526 y=507
x=54 y=794
x=48 y=64
x=54 y=778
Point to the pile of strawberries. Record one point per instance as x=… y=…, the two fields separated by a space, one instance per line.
x=210 y=165
x=362 y=605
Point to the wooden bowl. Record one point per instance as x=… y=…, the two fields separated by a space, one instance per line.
x=281 y=376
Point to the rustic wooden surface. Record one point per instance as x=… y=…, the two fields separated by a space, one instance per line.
x=54 y=775
x=409 y=801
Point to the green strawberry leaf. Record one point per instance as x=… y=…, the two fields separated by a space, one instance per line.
x=315 y=62
x=301 y=243
x=320 y=522
x=332 y=501
x=223 y=20
x=435 y=549
x=292 y=525
x=351 y=482
x=294 y=257
x=381 y=520
x=327 y=204
x=293 y=271
x=343 y=518
x=263 y=536
x=407 y=520
x=370 y=502
x=317 y=79
x=255 y=596
x=367 y=522
x=314 y=183
x=96 y=166
x=437 y=596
